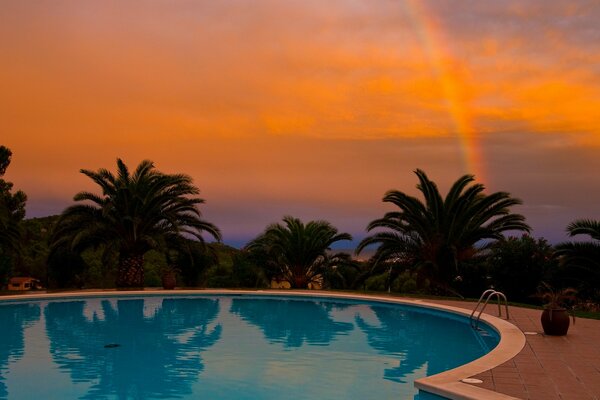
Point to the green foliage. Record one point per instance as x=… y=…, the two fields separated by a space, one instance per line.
x=435 y=236
x=191 y=262
x=219 y=271
x=5 y=268
x=377 y=283
x=32 y=260
x=517 y=266
x=473 y=277
x=99 y=268
x=152 y=277
x=406 y=282
x=299 y=252
x=154 y=263
x=12 y=205
x=5 y=155
x=587 y=227
x=554 y=298
x=231 y=267
x=135 y=213
x=343 y=274
x=196 y=263
x=580 y=261
x=66 y=269
x=12 y=212
x=220 y=276
x=91 y=268
x=363 y=272
x=247 y=274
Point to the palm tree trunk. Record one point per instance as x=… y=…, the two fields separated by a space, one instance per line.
x=130 y=271
x=299 y=282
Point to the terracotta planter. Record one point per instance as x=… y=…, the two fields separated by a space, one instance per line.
x=555 y=321
x=169 y=280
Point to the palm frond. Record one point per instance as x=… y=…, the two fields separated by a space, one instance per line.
x=441 y=233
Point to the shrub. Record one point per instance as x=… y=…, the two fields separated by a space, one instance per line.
x=517 y=266
x=377 y=283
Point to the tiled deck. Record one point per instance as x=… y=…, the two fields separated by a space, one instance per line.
x=548 y=367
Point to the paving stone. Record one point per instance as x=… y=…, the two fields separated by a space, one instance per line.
x=549 y=367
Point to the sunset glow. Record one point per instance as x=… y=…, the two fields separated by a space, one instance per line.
x=308 y=108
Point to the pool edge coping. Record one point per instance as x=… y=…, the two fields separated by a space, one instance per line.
x=447 y=384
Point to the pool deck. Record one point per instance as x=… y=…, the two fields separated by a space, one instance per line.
x=548 y=367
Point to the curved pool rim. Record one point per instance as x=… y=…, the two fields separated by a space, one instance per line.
x=447 y=384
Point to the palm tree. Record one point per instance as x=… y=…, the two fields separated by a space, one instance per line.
x=582 y=259
x=134 y=214
x=299 y=252
x=585 y=227
x=436 y=235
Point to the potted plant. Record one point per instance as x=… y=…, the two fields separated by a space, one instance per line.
x=169 y=277
x=555 y=317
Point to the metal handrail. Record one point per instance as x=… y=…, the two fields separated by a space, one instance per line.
x=488 y=294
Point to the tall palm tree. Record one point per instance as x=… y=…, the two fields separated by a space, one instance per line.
x=582 y=259
x=298 y=251
x=436 y=235
x=134 y=214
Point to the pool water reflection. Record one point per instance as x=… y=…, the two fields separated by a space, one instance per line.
x=226 y=347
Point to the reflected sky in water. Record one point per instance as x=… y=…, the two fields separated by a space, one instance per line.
x=226 y=347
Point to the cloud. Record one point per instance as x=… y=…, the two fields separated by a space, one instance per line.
x=341 y=70
x=307 y=107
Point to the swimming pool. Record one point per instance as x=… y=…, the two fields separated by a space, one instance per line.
x=227 y=347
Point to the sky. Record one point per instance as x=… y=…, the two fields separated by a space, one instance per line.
x=307 y=108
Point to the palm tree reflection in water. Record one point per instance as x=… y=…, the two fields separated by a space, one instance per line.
x=14 y=318
x=292 y=322
x=408 y=334
x=131 y=355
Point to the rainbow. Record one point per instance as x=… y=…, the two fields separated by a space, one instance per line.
x=432 y=40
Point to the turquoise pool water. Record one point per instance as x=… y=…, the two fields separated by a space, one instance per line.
x=227 y=347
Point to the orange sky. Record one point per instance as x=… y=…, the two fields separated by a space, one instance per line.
x=307 y=108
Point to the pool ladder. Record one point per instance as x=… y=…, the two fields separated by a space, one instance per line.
x=485 y=298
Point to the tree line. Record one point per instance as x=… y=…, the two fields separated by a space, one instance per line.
x=144 y=224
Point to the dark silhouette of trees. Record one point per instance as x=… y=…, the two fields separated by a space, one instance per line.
x=299 y=252
x=517 y=266
x=135 y=213
x=12 y=212
x=436 y=235
x=581 y=260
